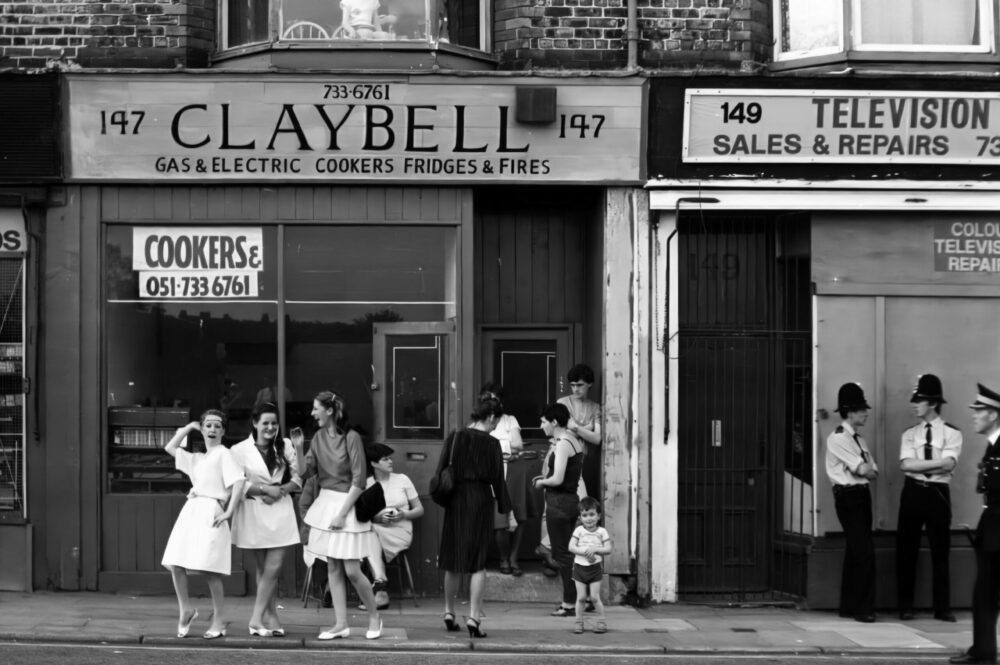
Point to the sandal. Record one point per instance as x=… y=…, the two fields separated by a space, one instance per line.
x=601 y=627
x=564 y=612
x=505 y=568
x=516 y=571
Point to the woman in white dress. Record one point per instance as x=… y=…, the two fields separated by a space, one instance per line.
x=265 y=523
x=337 y=456
x=393 y=525
x=508 y=528
x=200 y=541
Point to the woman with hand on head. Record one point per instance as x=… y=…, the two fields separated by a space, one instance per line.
x=479 y=494
x=393 y=525
x=337 y=457
x=265 y=523
x=200 y=541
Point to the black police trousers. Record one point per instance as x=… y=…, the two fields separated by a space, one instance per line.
x=923 y=503
x=857 y=582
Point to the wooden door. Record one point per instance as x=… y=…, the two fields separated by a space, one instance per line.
x=413 y=395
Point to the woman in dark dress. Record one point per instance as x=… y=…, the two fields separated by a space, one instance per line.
x=480 y=492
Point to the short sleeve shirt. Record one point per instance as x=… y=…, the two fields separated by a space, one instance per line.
x=582 y=538
x=946 y=441
x=845 y=452
x=211 y=473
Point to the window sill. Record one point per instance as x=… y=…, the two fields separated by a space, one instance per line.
x=353 y=55
x=882 y=59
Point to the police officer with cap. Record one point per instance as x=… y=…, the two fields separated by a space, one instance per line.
x=927 y=456
x=986 y=420
x=850 y=467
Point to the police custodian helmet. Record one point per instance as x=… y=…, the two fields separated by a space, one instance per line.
x=986 y=399
x=928 y=390
x=851 y=397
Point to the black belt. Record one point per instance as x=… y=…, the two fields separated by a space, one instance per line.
x=910 y=480
x=841 y=489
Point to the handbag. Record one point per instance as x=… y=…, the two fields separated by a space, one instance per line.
x=371 y=501
x=443 y=483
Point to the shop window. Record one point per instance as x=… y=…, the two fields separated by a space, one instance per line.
x=12 y=386
x=352 y=22
x=810 y=28
x=181 y=338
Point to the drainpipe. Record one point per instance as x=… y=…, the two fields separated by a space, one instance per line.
x=632 y=35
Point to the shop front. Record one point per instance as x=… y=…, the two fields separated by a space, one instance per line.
x=813 y=233
x=30 y=172
x=259 y=238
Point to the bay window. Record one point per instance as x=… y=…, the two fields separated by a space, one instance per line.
x=352 y=22
x=809 y=28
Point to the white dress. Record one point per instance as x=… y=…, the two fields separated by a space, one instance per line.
x=194 y=543
x=258 y=525
x=398 y=536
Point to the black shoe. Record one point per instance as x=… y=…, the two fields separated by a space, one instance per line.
x=865 y=618
x=969 y=658
x=564 y=612
x=945 y=616
x=906 y=615
x=589 y=607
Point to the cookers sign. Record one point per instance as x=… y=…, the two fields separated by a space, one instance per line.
x=197 y=262
x=12 y=236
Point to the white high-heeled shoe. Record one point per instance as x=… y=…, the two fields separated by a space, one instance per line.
x=374 y=634
x=184 y=628
x=332 y=635
x=261 y=632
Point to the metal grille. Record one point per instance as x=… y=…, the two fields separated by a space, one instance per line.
x=744 y=435
x=12 y=461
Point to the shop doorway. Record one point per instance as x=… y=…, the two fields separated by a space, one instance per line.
x=413 y=396
x=744 y=403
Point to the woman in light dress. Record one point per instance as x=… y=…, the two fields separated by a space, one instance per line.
x=337 y=456
x=393 y=525
x=200 y=541
x=265 y=523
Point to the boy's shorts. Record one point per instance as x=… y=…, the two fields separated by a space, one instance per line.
x=588 y=574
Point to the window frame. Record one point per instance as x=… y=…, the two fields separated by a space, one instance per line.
x=274 y=39
x=852 y=44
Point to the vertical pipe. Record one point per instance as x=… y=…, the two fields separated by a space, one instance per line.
x=632 y=35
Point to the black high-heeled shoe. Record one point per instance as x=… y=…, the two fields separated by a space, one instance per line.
x=474 y=629
x=449 y=623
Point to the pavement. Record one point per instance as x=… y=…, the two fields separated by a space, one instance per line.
x=94 y=617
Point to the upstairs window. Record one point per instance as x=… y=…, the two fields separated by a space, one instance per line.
x=352 y=22
x=809 y=28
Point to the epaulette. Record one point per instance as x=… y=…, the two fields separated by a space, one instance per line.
x=840 y=429
x=947 y=424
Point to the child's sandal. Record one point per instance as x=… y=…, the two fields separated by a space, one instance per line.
x=601 y=627
x=579 y=627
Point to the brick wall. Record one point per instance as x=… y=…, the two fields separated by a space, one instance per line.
x=150 y=33
x=590 y=34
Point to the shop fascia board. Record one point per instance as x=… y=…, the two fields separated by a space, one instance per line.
x=753 y=194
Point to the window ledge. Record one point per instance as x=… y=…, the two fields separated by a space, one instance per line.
x=921 y=62
x=352 y=56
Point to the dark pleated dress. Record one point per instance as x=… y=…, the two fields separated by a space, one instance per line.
x=468 y=519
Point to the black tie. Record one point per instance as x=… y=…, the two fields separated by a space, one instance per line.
x=864 y=455
x=928 y=449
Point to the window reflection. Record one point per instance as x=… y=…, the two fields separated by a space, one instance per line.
x=379 y=20
x=811 y=25
x=919 y=22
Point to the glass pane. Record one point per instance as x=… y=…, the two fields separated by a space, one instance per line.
x=377 y=20
x=12 y=496
x=459 y=22
x=920 y=22
x=811 y=25
x=416 y=396
x=527 y=371
x=247 y=22
x=339 y=282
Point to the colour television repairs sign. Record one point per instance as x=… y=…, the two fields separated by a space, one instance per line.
x=197 y=262
x=813 y=126
x=179 y=127
x=967 y=246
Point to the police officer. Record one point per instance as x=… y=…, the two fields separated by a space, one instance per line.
x=986 y=420
x=850 y=467
x=927 y=455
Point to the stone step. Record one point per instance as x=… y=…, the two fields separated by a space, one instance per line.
x=532 y=586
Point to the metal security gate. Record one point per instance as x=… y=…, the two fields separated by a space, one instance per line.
x=744 y=397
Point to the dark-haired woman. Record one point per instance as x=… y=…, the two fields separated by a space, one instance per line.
x=337 y=457
x=265 y=523
x=562 y=476
x=480 y=493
